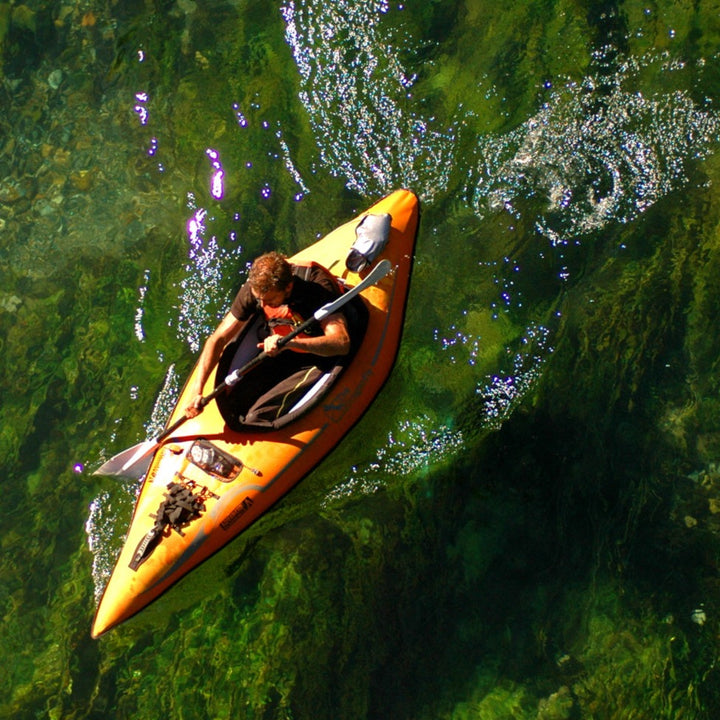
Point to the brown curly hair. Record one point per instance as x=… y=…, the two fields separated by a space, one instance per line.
x=270 y=271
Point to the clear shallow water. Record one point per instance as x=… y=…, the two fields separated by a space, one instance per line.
x=525 y=523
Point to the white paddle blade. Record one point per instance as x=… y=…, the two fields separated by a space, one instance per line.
x=133 y=462
x=374 y=277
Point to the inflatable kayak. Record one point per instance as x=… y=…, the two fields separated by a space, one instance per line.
x=205 y=483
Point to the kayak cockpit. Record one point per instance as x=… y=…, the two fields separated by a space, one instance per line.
x=278 y=392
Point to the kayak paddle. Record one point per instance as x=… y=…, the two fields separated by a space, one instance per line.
x=135 y=461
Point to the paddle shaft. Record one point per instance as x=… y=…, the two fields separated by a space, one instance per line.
x=235 y=376
x=134 y=460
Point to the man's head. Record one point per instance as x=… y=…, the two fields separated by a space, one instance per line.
x=271 y=279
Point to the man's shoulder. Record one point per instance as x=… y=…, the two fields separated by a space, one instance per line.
x=315 y=274
x=244 y=303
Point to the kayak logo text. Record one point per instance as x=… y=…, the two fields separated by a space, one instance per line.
x=237 y=513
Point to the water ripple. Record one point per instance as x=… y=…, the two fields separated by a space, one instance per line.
x=357 y=94
x=599 y=151
x=411 y=449
x=108 y=514
x=203 y=286
x=501 y=393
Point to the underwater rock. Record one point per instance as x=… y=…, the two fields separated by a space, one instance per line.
x=25 y=18
x=558 y=706
x=82 y=180
x=11 y=191
x=55 y=79
x=9 y=303
x=569 y=666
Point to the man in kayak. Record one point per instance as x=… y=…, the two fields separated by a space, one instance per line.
x=276 y=297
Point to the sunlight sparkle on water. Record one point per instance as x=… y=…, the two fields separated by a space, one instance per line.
x=164 y=403
x=204 y=296
x=456 y=340
x=355 y=90
x=599 y=151
x=139 y=312
x=290 y=166
x=196 y=227
x=502 y=392
x=217 y=186
x=241 y=119
x=413 y=447
x=104 y=528
x=140 y=108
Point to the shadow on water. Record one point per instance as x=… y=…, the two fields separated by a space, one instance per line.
x=578 y=537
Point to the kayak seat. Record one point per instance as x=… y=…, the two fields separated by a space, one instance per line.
x=281 y=389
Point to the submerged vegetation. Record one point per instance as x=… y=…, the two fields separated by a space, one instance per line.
x=526 y=524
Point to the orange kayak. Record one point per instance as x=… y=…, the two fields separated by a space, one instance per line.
x=225 y=479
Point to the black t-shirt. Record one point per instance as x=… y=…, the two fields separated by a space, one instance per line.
x=307 y=296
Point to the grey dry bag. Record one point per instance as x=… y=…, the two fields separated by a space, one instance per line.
x=371 y=237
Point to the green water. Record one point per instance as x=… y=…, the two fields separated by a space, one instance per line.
x=526 y=524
